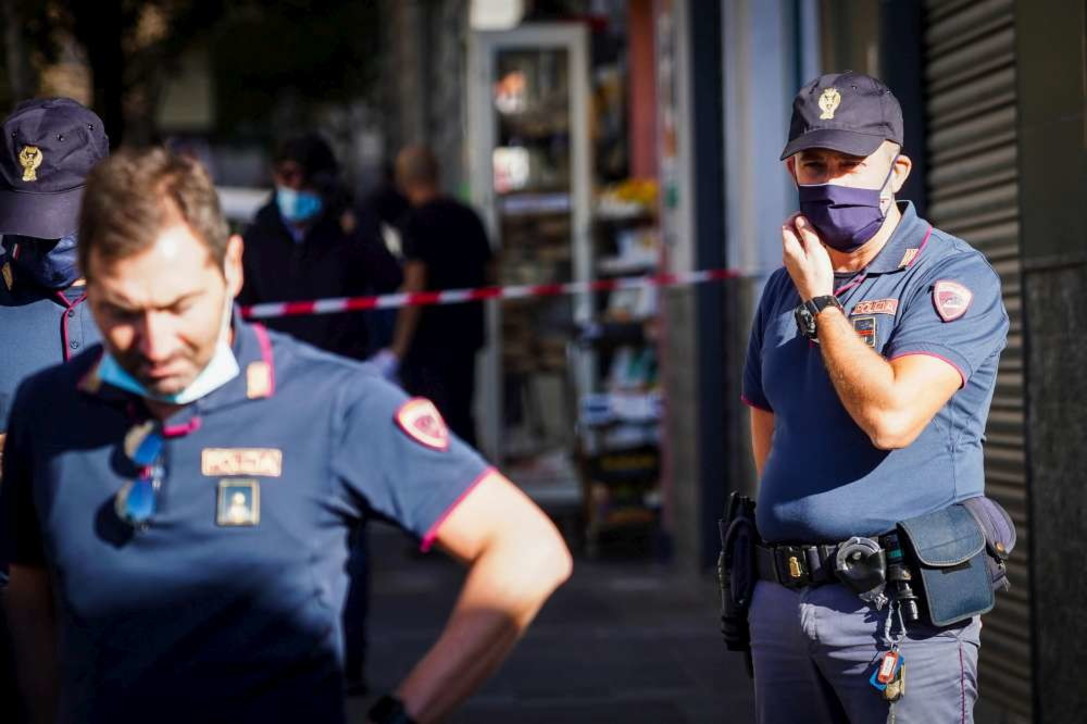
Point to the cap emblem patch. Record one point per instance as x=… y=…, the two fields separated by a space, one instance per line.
x=951 y=299
x=30 y=158
x=420 y=419
x=829 y=102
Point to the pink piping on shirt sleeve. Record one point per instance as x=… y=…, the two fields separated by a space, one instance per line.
x=958 y=369
x=266 y=354
x=749 y=403
x=432 y=533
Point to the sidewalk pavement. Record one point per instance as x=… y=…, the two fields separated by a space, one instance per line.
x=620 y=642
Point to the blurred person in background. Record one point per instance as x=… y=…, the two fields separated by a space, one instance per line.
x=303 y=245
x=445 y=247
x=381 y=215
x=48 y=148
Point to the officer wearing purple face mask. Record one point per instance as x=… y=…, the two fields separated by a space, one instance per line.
x=870 y=371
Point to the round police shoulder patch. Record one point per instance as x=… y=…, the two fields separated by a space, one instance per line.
x=951 y=299
x=420 y=419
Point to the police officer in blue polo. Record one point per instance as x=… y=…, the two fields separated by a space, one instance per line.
x=177 y=502
x=870 y=371
x=47 y=148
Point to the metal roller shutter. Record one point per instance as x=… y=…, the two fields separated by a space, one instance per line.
x=973 y=193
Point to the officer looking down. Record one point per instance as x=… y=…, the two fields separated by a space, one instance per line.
x=871 y=366
x=177 y=502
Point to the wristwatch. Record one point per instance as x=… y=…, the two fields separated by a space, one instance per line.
x=389 y=710
x=806 y=312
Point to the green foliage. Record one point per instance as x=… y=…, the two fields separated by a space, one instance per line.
x=301 y=52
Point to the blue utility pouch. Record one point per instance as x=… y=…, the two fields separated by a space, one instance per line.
x=948 y=553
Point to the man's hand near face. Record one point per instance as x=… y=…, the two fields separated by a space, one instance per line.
x=806 y=258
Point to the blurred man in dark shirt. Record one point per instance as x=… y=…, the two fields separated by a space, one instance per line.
x=445 y=247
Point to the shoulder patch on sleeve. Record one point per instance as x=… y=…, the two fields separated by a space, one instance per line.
x=951 y=299
x=420 y=419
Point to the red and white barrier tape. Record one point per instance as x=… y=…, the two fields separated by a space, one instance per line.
x=457 y=296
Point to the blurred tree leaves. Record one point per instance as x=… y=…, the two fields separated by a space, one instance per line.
x=284 y=60
x=266 y=55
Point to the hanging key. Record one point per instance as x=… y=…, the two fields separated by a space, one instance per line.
x=896 y=688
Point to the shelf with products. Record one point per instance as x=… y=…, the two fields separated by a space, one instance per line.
x=619 y=416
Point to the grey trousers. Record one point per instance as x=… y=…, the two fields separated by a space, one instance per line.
x=814 y=650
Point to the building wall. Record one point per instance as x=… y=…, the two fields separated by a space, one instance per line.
x=1050 y=40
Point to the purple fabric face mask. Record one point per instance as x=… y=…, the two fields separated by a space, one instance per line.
x=846 y=218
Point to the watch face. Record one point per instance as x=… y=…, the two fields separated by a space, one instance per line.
x=805 y=322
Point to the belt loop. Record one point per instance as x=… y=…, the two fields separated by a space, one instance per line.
x=815 y=564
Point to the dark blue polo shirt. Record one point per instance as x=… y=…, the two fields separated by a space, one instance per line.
x=824 y=480
x=40 y=328
x=198 y=618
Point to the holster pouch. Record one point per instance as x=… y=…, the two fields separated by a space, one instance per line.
x=950 y=553
x=736 y=573
x=999 y=531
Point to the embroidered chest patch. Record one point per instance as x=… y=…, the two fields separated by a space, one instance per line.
x=218 y=462
x=876 y=306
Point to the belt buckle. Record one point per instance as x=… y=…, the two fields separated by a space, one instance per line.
x=793 y=571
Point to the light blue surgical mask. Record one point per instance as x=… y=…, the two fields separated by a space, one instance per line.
x=222 y=368
x=298 y=206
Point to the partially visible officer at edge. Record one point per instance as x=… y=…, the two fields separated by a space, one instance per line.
x=48 y=147
x=870 y=370
x=185 y=492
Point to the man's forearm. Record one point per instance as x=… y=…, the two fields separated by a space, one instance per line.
x=485 y=624
x=864 y=381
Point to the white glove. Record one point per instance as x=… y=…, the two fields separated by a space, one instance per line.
x=387 y=363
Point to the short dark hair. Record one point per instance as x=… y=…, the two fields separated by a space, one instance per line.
x=312 y=153
x=134 y=194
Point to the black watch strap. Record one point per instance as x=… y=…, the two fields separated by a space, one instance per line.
x=389 y=710
x=807 y=311
x=818 y=304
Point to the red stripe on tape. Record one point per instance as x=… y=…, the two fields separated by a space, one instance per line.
x=360 y=303
x=291 y=309
x=454 y=296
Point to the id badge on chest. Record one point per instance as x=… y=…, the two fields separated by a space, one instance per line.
x=238 y=503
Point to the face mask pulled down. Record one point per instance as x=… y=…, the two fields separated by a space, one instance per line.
x=846 y=218
x=220 y=369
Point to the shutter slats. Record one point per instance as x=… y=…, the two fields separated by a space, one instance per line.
x=973 y=193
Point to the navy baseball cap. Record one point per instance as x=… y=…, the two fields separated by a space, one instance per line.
x=49 y=147
x=848 y=112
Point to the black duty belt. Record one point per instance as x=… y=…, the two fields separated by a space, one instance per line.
x=796 y=566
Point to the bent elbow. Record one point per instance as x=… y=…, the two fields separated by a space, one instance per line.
x=891 y=433
x=552 y=563
x=560 y=564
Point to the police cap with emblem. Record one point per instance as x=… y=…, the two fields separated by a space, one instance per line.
x=49 y=147
x=848 y=112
